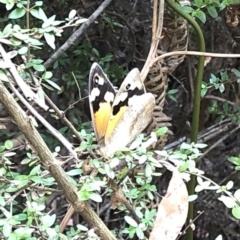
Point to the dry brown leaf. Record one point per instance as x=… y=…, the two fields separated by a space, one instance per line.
x=172 y=211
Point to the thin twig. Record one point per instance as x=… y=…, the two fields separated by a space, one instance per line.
x=195 y=53
x=53 y=131
x=219 y=99
x=62 y=116
x=28 y=93
x=77 y=34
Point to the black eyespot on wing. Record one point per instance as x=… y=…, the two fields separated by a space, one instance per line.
x=128 y=86
x=96 y=80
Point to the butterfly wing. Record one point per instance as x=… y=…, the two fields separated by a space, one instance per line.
x=131 y=88
x=134 y=120
x=102 y=94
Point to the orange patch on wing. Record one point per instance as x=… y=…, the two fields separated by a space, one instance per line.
x=101 y=118
x=113 y=121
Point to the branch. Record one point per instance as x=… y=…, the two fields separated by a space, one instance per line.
x=28 y=93
x=51 y=164
x=195 y=53
x=53 y=131
x=77 y=34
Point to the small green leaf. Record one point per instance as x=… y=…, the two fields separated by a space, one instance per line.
x=198 y=3
x=130 y=221
x=42 y=15
x=95 y=51
x=237 y=194
x=2 y=148
x=2 y=201
x=23 y=50
x=47 y=75
x=7 y=30
x=7 y=229
x=186 y=9
x=228 y=201
x=201 y=16
x=200 y=145
x=83 y=195
x=20 y=36
x=72 y=14
x=17 y=13
x=37 y=61
x=95 y=197
x=161 y=131
x=236 y=72
x=74 y=172
x=229 y=185
x=8 y=144
x=39 y=3
x=37 y=179
x=19 y=5
x=53 y=84
x=3 y=76
x=49 y=219
x=20 y=217
x=198 y=188
x=5 y=41
x=148 y=170
x=35 y=13
x=222 y=88
x=9 y=6
x=107 y=58
x=234 y=160
x=212 y=11
x=9 y=154
x=50 y=39
x=192 y=198
x=48 y=87
x=39 y=67
x=35 y=170
x=236 y=212
x=139 y=233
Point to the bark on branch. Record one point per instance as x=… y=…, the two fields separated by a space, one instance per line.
x=26 y=125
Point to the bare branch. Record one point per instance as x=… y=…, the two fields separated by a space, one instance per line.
x=77 y=34
x=49 y=162
x=53 y=131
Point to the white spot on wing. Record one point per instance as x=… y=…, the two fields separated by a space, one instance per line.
x=95 y=93
x=109 y=96
x=100 y=80
x=120 y=98
x=135 y=100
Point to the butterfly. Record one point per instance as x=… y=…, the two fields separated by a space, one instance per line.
x=118 y=116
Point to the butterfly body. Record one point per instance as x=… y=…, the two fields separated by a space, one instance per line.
x=118 y=117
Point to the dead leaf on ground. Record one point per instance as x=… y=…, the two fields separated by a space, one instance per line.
x=172 y=211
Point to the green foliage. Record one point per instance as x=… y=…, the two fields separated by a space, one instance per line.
x=29 y=31
x=199 y=7
x=170 y=94
x=225 y=109
x=235 y=161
